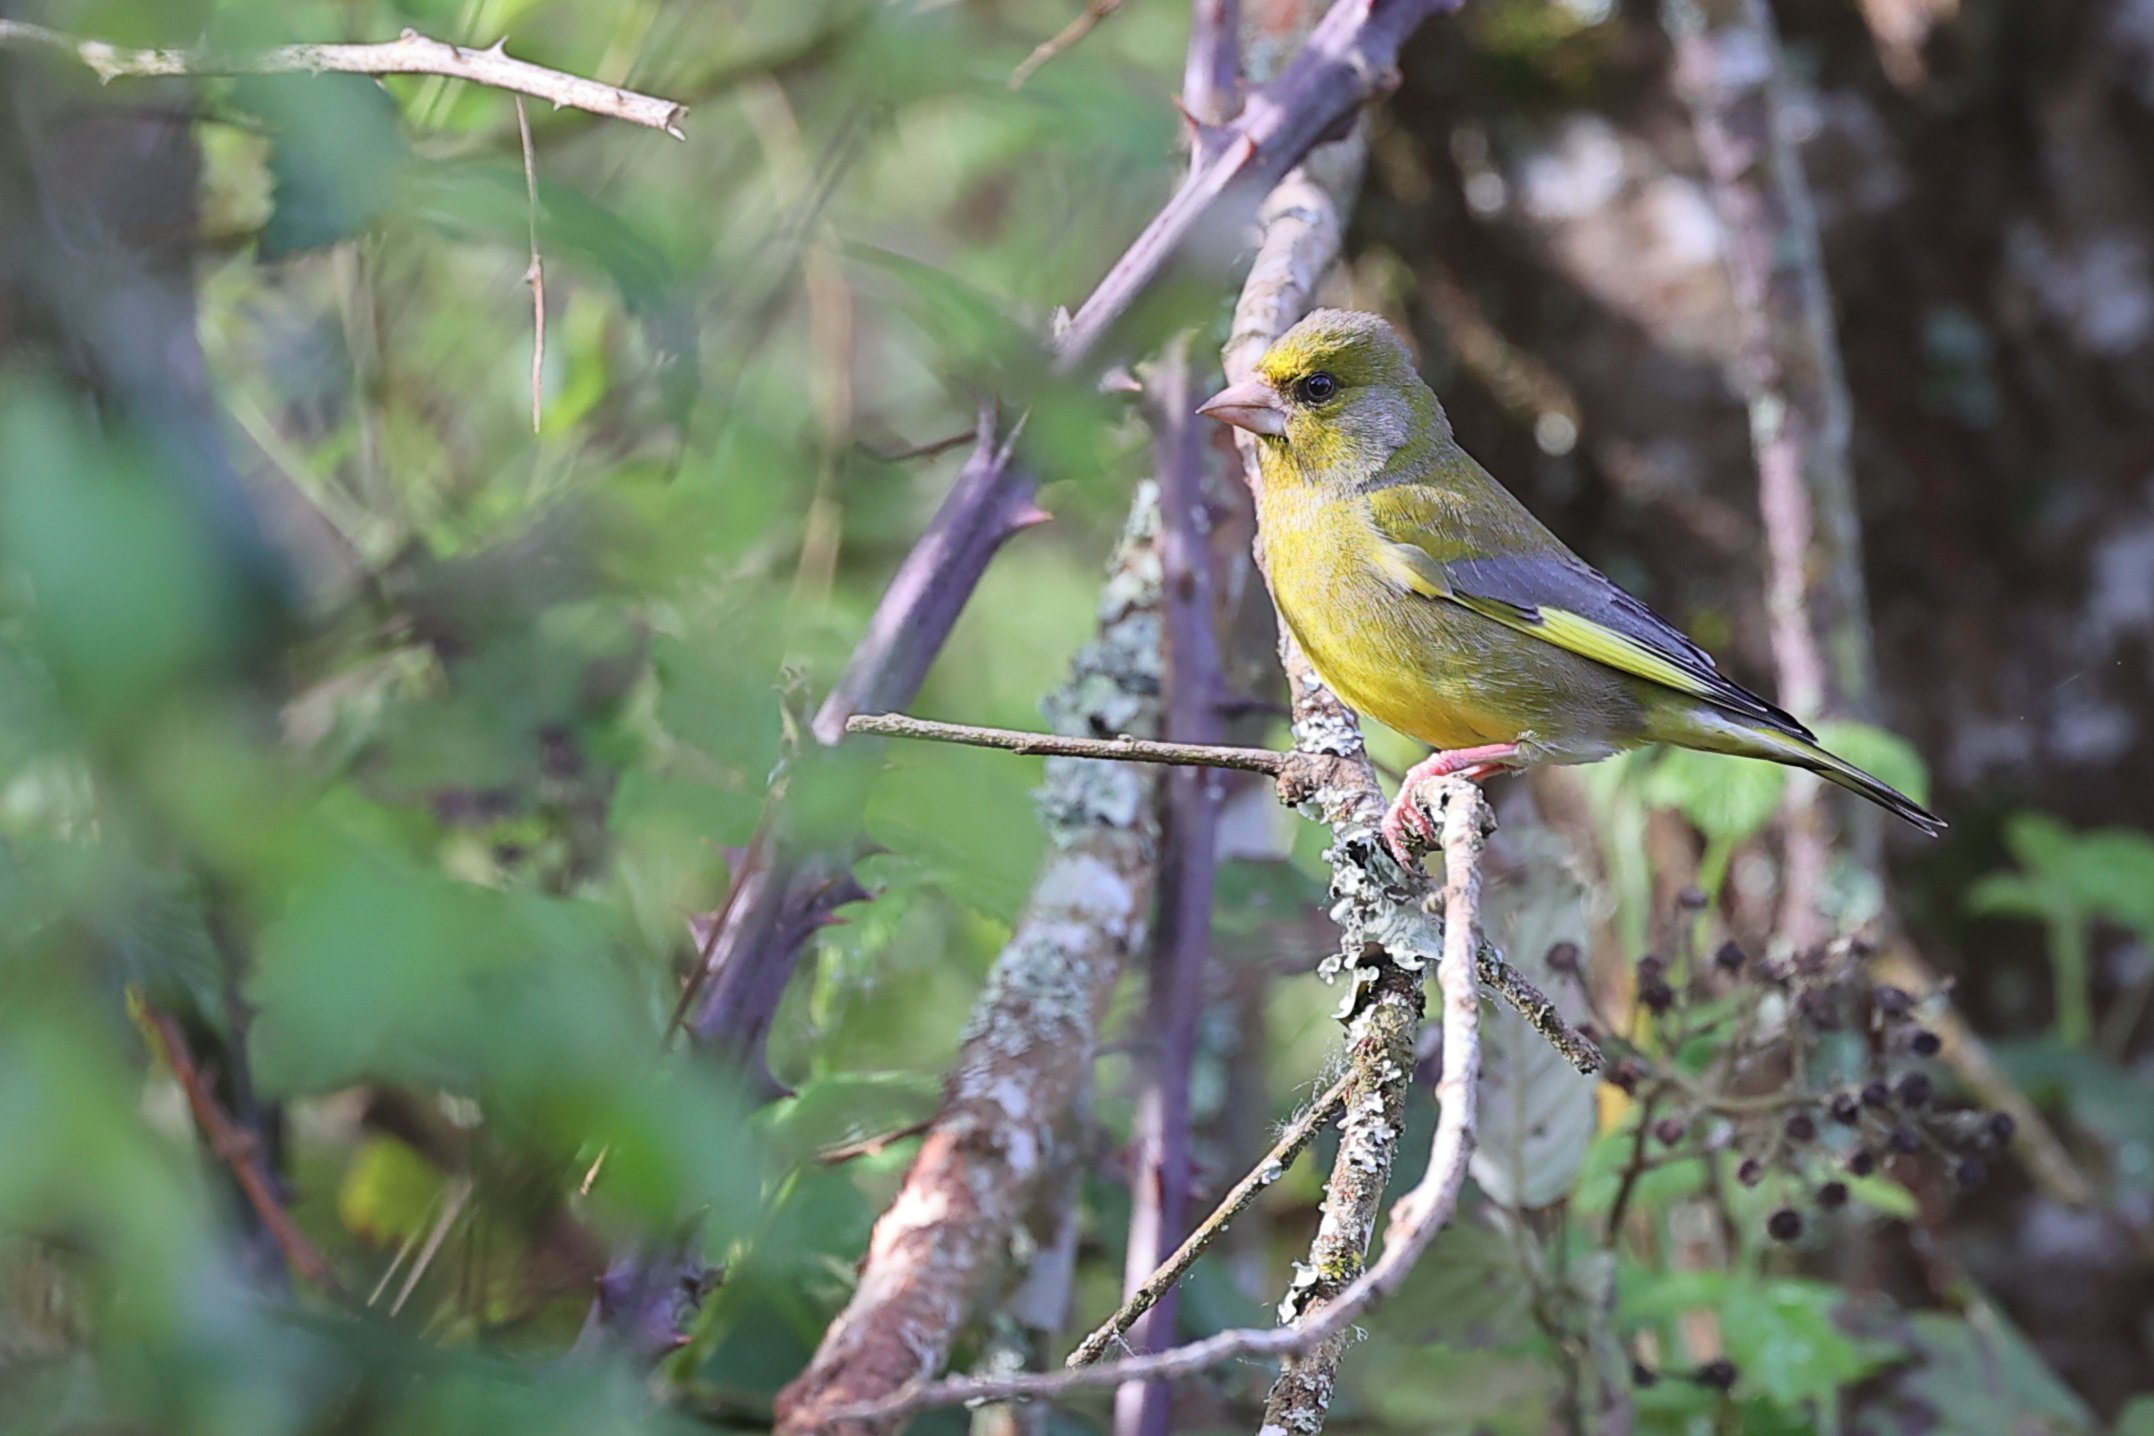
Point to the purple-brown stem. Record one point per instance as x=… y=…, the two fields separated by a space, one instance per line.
x=1160 y=1168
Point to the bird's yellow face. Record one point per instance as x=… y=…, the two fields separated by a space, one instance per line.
x=1334 y=401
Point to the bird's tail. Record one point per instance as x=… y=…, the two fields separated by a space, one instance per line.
x=1804 y=753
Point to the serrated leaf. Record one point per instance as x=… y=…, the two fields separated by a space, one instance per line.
x=1536 y=1112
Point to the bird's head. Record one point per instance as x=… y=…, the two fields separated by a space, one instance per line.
x=1337 y=396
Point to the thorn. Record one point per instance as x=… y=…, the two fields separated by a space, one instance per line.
x=1060 y=324
x=407 y=34
x=499 y=47
x=1119 y=380
x=1031 y=516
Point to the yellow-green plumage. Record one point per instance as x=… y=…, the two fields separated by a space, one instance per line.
x=1430 y=599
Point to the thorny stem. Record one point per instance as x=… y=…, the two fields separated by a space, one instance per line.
x=411 y=53
x=1188 y=864
x=241 y=1152
x=1298 y=1135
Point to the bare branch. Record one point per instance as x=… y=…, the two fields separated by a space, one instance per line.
x=1415 y=1219
x=239 y=1151
x=1063 y=745
x=1298 y=1134
x=1349 y=59
x=411 y=53
x=1088 y=20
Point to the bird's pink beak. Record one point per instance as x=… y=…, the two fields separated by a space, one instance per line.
x=1252 y=404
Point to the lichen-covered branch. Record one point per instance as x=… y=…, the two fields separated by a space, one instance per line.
x=410 y=53
x=1028 y=1050
x=1415 y=1218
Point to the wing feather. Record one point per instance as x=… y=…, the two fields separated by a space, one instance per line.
x=1559 y=598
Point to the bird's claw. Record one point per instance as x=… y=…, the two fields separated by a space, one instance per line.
x=1406 y=813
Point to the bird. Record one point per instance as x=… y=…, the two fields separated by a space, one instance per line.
x=1427 y=597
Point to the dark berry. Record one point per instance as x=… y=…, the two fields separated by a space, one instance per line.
x=1861 y=1162
x=1669 y=1130
x=1588 y=1031
x=1650 y=967
x=1970 y=1173
x=1892 y=1001
x=2000 y=1127
x=1642 y=1375
x=1771 y=970
x=1801 y=1127
x=1729 y=958
x=1904 y=1142
x=1658 y=997
x=1925 y=1043
x=1876 y=1094
x=1625 y=1075
x=1832 y=1196
x=1563 y=957
x=1784 y=1225
x=1718 y=1375
x=1845 y=1109
x=1750 y=1171
x=1691 y=899
x=1914 y=1089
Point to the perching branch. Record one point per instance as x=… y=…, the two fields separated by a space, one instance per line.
x=1066 y=745
x=411 y=53
x=1298 y=774
x=1415 y=1218
x=1274 y=1165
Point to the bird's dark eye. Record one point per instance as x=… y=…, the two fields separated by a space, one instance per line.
x=1318 y=387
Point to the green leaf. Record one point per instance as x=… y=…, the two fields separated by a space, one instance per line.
x=1536 y=1112
x=1979 y=1374
x=1783 y=1336
x=338 y=158
x=1727 y=798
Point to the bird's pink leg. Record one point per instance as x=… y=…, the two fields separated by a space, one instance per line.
x=1470 y=763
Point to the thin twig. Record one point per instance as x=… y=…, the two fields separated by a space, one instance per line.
x=1541 y=1014
x=1060 y=745
x=239 y=1151
x=1415 y=1219
x=411 y=53
x=535 y=276
x=1087 y=21
x=1274 y=1166
x=1502 y=979
x=872 y=1145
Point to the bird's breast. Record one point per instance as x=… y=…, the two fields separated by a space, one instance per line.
x=1427 y=667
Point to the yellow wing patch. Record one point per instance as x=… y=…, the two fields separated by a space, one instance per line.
x=1590 y=640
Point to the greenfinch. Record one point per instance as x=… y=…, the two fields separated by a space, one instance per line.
x=1428 y=598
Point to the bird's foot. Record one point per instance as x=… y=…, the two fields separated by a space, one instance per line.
x=1407 y=828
